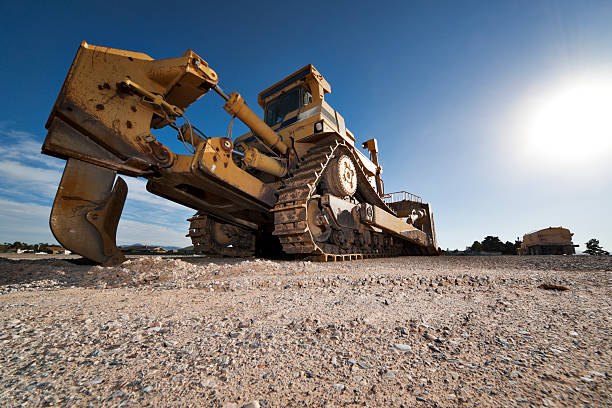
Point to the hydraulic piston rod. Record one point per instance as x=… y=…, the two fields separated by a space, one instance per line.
x=235 y=105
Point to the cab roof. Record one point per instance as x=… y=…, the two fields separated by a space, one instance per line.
x=303 y=73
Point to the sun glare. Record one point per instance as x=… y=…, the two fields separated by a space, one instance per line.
x=571 y=123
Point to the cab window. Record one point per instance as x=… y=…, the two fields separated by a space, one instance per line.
x=278 y=108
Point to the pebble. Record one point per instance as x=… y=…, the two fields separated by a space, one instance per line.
x=522 y=400
x=252 y=404
x=364 y=365
x=95 y=380
x=402 y=347
x=244 y=325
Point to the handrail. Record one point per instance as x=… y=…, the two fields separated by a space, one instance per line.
x=401 y=196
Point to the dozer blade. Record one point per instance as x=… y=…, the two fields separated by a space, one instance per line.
x=86 y=211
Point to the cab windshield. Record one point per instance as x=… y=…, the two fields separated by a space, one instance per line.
x=278 y=108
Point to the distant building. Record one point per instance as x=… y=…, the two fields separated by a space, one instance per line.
x=58 y=250
x=548 y=241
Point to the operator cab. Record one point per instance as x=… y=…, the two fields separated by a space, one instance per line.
x=288 y=102
x=285 y=101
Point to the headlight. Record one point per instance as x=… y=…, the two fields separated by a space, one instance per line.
x=318 y=127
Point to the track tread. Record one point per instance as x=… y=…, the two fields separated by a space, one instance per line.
x=290 y=215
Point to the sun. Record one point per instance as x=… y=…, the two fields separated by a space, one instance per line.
x=570 y=123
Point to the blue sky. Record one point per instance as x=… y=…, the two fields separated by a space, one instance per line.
x=449 y=89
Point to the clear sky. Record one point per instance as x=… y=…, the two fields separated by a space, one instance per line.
x=498 y=113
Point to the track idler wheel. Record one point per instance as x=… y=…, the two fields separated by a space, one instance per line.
x=341 y=176
x=86 y=211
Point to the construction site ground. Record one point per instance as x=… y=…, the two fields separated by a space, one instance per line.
x=503 y=331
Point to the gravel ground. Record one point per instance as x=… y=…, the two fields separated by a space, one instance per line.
x=403 y=332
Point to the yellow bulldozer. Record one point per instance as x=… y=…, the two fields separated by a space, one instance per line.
x=294 y=184
x=548 y=241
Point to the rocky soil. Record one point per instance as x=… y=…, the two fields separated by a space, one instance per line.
x=403 y=332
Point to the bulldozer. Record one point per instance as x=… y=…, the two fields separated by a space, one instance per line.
x=548 y=241
x=295 y=184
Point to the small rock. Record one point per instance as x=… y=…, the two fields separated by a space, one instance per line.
x=116 y=394
x=434 y=348
x=429 y=337
x=244 y=325
x=339 y=387
x=95 y=380
x=586 y=379
x=364 y=365
x=550 y=286
x=573 y=334
x=402 y=347
x=252 y=404
x=390 y=375
x=522 y=400
x=234 y=334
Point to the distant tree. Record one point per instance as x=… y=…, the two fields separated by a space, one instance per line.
x=517 y=245
x=492 y=244
x=476 y=247
x=593 y=248
x=509 y=248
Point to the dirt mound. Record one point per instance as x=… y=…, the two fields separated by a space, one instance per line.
x=145 y=270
